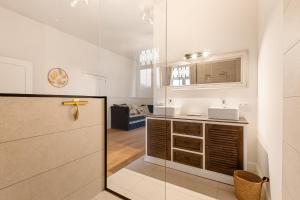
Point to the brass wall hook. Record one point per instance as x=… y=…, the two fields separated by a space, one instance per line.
x=76 y=103
x=76 y=113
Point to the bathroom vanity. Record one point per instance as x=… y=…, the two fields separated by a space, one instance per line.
x=197 y=145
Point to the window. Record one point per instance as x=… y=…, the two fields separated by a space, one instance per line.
x=181 y=75
x=149 y=57
x=146 y=78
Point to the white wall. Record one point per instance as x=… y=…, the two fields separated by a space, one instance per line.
x=220 y=27
x=270 y=93
x=74 y=55
x=121 y=82
x=120 y=73
x=46 y=47
x=21 y=38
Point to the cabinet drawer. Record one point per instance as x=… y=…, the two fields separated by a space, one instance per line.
x=191 y=144
x=188 y=128
x=186 y=158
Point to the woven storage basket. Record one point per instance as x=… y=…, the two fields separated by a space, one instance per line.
x=247 y=185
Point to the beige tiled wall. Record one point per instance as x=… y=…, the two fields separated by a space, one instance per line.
x=45 y=154
x=291 y=146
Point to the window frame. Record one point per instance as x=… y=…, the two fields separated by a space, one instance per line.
x=178 y=78
x=147 y=69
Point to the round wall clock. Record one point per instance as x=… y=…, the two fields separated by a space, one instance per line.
x=58 y=77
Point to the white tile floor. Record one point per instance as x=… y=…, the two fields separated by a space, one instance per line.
x=144 y=181
x=105 y=196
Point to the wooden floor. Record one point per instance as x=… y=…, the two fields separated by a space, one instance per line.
x=123 y=148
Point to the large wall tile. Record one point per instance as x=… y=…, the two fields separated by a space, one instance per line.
x=88 y=192
x=292 y=24
x=27 y=117
x=292 y=72
x=291 y=122
x=59 y=183
x=291 y=126
x=286 y=195
x=25 y=158
x=291 y=171
x=286 y=4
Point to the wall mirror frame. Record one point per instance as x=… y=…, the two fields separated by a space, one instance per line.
x=242 y=81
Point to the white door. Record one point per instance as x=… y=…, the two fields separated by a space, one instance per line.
x=15 y=76
x=95 y=85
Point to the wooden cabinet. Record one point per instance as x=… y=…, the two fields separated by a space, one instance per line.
x=223 y=148
x=159 y=138
x=197 y=147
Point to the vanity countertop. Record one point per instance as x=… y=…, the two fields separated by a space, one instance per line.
x=242 y=120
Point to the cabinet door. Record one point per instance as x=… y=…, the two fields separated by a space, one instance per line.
x=223 y=148
x=159 y=138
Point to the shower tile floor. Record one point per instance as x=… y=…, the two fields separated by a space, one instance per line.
x=105 y=196
x=144 y=181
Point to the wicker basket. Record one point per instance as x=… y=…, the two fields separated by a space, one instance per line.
x=247 y=185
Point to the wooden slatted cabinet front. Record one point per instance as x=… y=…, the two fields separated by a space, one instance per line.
x=223 y=148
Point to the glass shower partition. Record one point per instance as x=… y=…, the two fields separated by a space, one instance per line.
x=138 y=138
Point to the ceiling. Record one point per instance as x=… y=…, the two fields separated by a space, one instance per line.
x=116 y=25
x=122 y=27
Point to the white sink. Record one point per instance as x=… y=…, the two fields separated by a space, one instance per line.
x=224 y=113
x=167 y=110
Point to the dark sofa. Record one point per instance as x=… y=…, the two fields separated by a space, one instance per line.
x=122 y=119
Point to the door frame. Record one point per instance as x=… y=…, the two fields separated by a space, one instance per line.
x=27 y=66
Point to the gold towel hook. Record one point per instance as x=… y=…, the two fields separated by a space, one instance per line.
x=76 y=103
x=76 y=113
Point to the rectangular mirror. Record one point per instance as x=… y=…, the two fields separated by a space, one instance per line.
x=224 y=71
x=216 y=71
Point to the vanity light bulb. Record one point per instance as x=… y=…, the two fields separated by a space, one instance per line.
x=194 y=56
x=144 y=16
x=151 y=21
x=205 y=54
x=74 y=3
